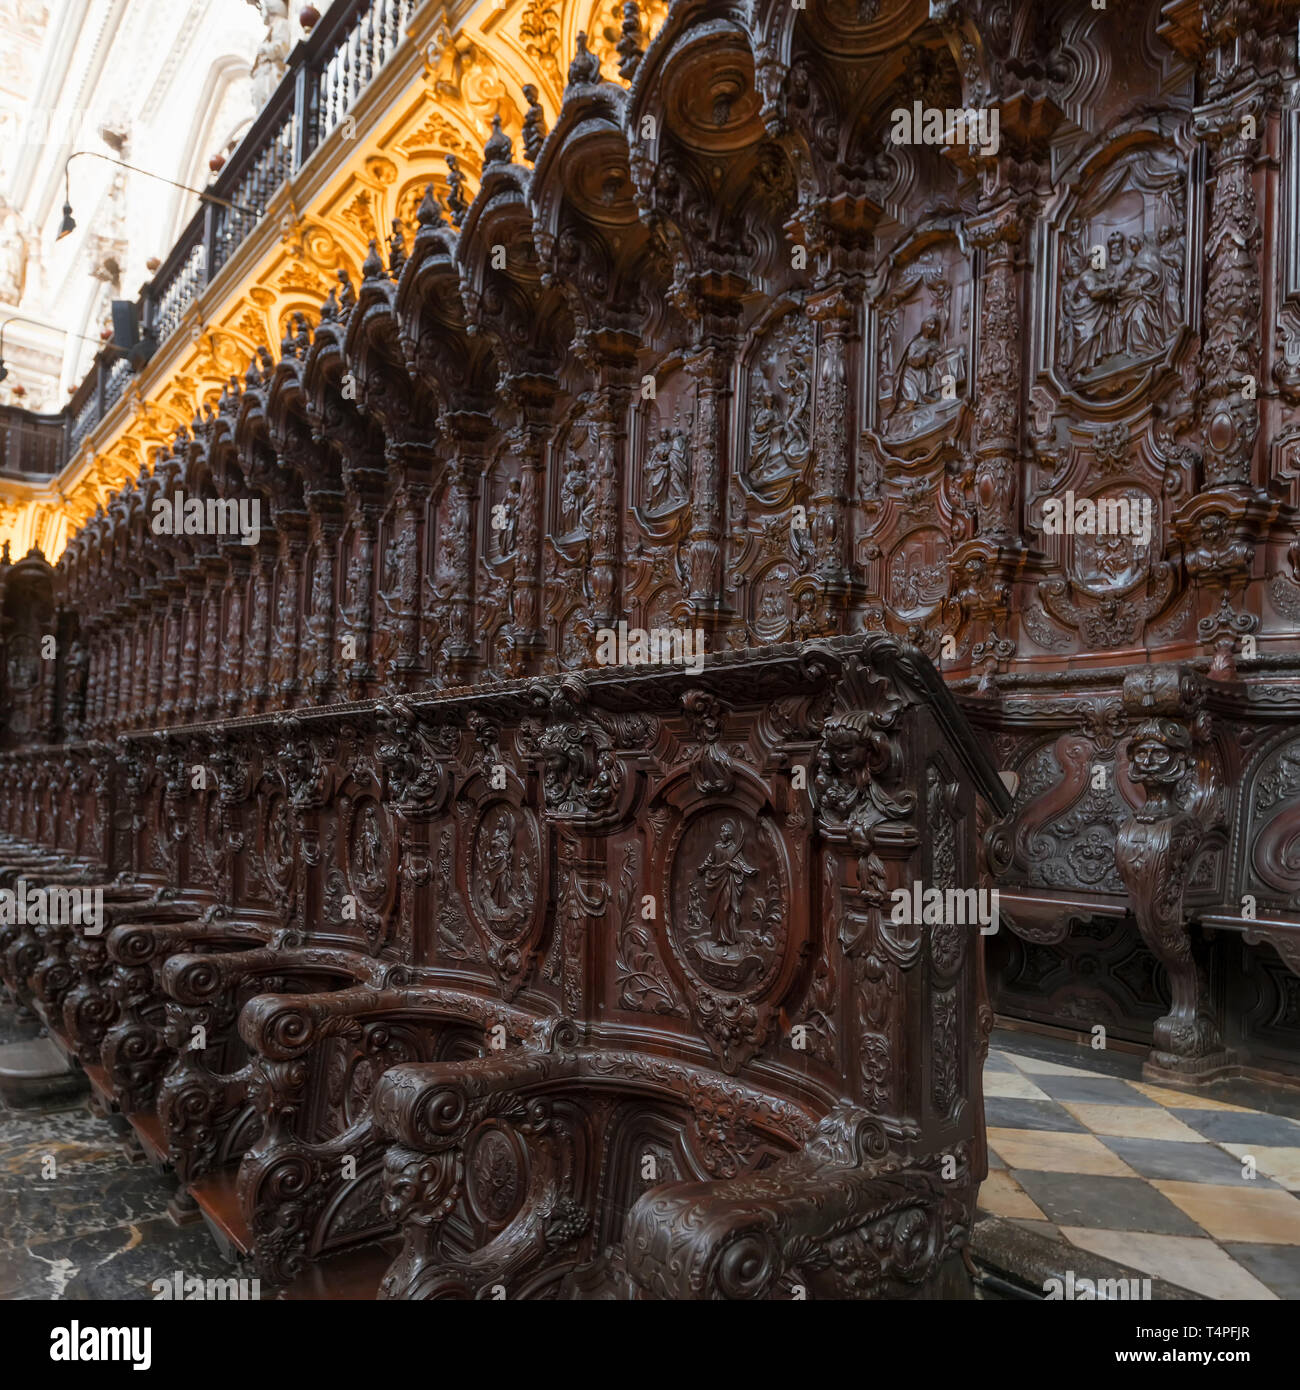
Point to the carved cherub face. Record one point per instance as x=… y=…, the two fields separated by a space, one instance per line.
x=845 y=748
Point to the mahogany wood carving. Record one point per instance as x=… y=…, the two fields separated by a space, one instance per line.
x=440 y=892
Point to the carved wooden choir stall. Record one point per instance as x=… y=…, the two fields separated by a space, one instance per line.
x=585 y=981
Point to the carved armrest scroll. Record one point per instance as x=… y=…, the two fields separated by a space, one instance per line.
x=838 y=1218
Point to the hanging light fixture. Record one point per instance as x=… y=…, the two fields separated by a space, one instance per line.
x=69 y=223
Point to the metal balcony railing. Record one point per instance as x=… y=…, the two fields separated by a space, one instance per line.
x=325 y=76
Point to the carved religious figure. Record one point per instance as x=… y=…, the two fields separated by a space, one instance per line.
x=719 y=895
x=574 y=505
x=277 y=837
x=77 y=669
x=657 y=470
x=923 y=318
x=367 y=851
x=919 y=376
x=667 y=470
x=503 y=871
x=507 y=534
x=499 y=862
x=780 y=396
x=272 y=52
x=1122 y=259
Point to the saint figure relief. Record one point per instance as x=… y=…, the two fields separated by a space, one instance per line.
x=922 y=366
x=1125 y=304
x=573 y=495
x=667 y=470
x=778 y=430
x=499 y=863
x=719 y=892
x=918 y=379
x=369 y=850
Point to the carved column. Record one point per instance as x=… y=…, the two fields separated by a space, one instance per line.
x=114 y=669
x=608 y=413
x=412 y=462
x=285 y=686
x=709 y=368
x=173 y=623
x=322 y=598
x=157 y=655
x=833 y=308
x=997 y=381
x=467 y=433
x=1221 y=524
x=984 y=566
x=232 y=645
x=190 y=692
x=139 y=667
x=536 y=397
x=1230 y=346
x=1156 y=852
x=96 y=681
x=209 y=693
x=101 y=763
x=359 y=602
x=257 y=650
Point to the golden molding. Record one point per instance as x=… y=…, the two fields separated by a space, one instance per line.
x=437 y=96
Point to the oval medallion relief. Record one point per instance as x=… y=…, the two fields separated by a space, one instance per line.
x=506 y=853
x=728 y=924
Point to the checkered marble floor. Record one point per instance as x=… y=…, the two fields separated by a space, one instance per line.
x=1149 y=1177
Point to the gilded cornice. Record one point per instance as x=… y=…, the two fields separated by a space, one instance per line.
x=454 y=71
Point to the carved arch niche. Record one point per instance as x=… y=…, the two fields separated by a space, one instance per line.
x=774 y=455
x=570 y=497
x=772 y=466
x=660 y=452
x=921 y=343
x=1120 y=255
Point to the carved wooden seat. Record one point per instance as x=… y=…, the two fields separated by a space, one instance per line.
x=34 y=954
x=316 y=1059
x=757 y=1082
x=202 y=1100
